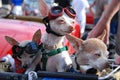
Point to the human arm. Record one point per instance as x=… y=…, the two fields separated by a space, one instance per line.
x=104 y=22
x=91 y=8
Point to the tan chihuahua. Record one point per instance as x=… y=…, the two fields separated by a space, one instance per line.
x=90 y=53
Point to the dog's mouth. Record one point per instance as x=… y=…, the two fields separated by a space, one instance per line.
x=66 y=32
x=91 y=71
x=88 y=69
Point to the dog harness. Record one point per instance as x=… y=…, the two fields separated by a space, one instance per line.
x=45 y=54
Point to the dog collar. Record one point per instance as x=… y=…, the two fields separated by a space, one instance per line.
x=77 y=65
x=45 y=55
x=89 y=69
x=56 y=51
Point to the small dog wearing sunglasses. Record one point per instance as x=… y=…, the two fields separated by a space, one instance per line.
x=91 y=54
x=24 y=52
x=59 y=21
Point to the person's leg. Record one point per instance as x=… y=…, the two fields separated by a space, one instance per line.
x=114 y=27
x=96 y=20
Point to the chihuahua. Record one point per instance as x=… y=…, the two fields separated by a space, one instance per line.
x=59 y=21
x=91 y=54
x=24 y=52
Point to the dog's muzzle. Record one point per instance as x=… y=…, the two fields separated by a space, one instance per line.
x=88 y=69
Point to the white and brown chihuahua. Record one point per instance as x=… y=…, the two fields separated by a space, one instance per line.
x=59 y=21
x=7 y=64
x=25 y=51
x=91 y=54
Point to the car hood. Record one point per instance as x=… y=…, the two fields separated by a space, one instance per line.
x=20 y=30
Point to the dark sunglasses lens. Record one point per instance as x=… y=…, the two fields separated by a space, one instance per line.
x=31 y=48
x=16 y=50
x=56 y=10
x=71 y=10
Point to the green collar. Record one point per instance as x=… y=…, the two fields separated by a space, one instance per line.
x=51 y=53
x=56 y=51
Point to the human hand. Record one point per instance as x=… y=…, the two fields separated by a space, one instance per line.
x=94 y=33
x=98 y=30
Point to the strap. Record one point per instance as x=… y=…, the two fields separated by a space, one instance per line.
x=77 y=65
x=51 y=53
x=57 y=51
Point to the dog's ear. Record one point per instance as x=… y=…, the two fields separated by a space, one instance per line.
x=43 y=7
x=102 y=36
x=37 y=36
x=75 y=42
x=11 y=41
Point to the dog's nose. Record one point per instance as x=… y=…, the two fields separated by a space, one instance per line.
x=25 y=66
x=73 y=22
x=107 y=65
x=71 y=28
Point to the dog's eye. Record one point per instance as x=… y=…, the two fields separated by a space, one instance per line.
x=19 y=57
x=98 y=55
x=61 y=21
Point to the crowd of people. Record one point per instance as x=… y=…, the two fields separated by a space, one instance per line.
x=22 y=7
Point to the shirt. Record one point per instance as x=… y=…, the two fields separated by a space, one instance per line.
x=17 y=2
x=80 y=7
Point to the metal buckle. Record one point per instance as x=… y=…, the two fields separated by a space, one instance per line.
x=59 y=50
x=32 y=75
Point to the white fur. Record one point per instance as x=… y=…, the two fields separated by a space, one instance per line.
x=60 y=61
x=61 y=25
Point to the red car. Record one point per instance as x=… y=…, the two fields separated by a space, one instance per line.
x=22 y=30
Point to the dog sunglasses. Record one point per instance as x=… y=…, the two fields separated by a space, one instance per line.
x=30 y=48
x=58 y=11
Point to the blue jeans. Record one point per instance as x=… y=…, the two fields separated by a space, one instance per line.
x=96 y=20
x=114 y=26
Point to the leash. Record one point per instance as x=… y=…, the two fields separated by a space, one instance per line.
x=45 y=54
